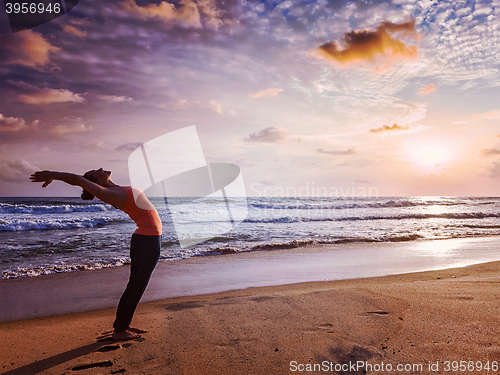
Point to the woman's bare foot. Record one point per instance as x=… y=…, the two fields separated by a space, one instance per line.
x=136 y=330
x=124 y=335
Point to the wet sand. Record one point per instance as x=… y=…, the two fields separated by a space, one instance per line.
x=81 y=291
x=416 y=319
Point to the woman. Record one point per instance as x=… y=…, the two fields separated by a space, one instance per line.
x=146 y=240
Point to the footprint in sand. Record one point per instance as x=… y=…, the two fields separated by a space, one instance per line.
x=323 y=327
x=108 y=348
x=92 y=365
x=106 y=337
x=328 y=327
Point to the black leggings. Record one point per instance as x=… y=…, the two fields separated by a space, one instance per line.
x=144 y=255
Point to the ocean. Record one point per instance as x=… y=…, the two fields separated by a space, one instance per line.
x=51 y=235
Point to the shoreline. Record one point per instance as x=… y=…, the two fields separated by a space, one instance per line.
x=65 y=293
x=420 y=318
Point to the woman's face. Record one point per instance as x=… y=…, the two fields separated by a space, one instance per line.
x=99 y=175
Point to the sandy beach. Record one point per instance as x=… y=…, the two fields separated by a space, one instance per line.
x=417 y=321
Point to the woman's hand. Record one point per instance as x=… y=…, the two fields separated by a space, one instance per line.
x=42 y=176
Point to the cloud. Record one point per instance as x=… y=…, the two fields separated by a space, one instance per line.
x=17 y=170
x=129 y=146
x=491 y=115
x=463 y=44
x=366 y=45
x=182 y=104
x=73 y=27
x=188 y=13
x=372 y=111
x=115 y=98
x=267 y=92
x=361 y=181
x=73 y=30
x=495 y=170
x=349 y=151
x=26 y=48
x=11 y=124
x=269 y=135
x=178 y=104
x=48 y=96
x=211 y=13
x=427 y=89
x=76 y=128
x=387 y=128
x=489 y=152
x=214 y=106
x=14 y=124
x=482 y=11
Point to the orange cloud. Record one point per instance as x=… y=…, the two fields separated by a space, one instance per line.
x=366 y=45
x=387 y=128
x=427 y=89
x=188 y=13
x=47 y=96
x=73 y=30
x=212 y=14
x=268 y=92
x=26 y=48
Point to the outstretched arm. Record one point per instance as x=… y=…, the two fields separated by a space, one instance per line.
x=115 y=197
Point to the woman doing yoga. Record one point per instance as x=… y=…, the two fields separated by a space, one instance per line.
x=146 y=240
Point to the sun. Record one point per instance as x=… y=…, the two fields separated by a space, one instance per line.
x=431 y=155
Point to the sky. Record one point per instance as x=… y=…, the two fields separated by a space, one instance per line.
x=308 y=98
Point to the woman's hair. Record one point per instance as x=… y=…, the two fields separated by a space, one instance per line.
x=86 y=196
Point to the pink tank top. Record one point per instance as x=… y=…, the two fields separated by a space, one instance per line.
x=147 y=220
